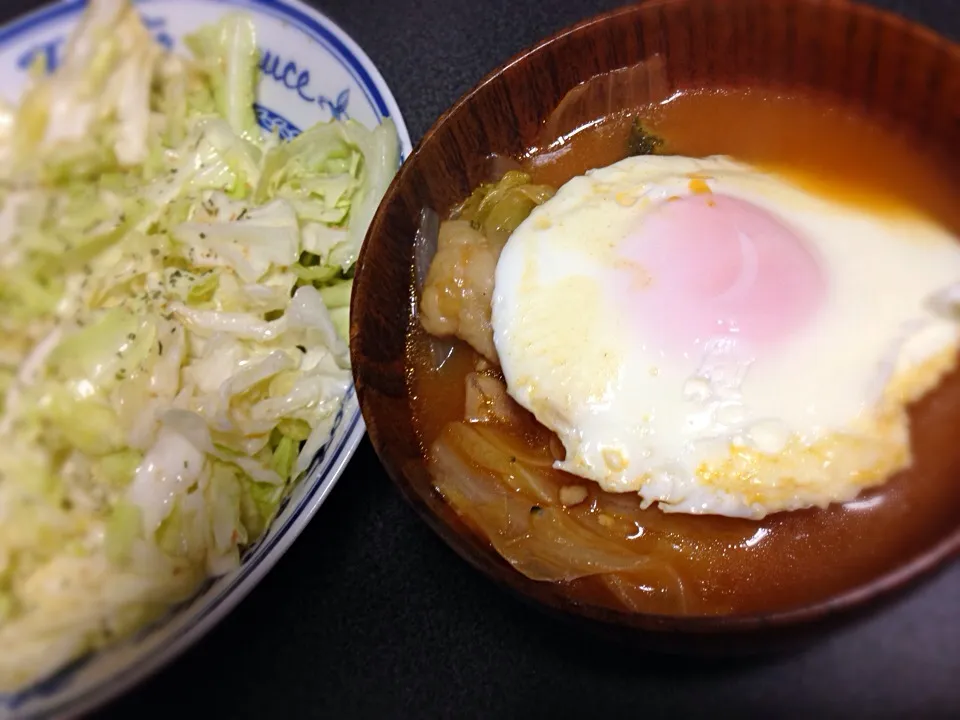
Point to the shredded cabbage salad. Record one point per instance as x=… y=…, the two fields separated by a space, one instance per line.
x=174 y=289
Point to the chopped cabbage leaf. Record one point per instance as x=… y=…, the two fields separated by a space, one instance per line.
x=174 y=309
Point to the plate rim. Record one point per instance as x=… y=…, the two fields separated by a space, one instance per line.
x=317 y=26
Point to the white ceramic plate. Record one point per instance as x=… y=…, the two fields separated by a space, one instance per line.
x=310 y=71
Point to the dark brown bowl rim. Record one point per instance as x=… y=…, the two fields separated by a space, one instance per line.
x=899 y=578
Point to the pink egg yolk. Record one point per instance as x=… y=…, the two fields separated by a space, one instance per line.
x=721 y=266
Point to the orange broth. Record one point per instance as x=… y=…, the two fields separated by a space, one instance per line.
x=733 y=565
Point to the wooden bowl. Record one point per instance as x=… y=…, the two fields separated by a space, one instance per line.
x=885 y=64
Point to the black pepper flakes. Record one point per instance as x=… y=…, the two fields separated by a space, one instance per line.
x=160 y=344
x=203 y=236
x=536 y=510
x=301 y=348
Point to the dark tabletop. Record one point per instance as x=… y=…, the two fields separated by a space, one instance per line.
x=370 y=615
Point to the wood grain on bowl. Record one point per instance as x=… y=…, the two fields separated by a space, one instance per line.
x=904 y=75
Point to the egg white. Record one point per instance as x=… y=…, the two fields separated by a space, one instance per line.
x=812 y=421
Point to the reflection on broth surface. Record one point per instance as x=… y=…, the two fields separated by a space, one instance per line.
x=817 y=144
x=493 y=461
